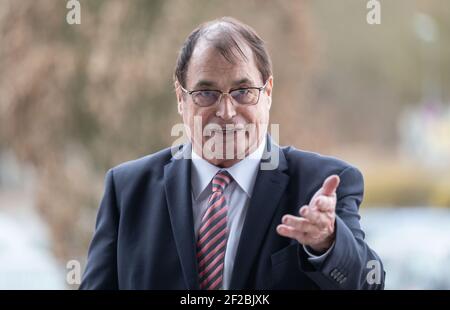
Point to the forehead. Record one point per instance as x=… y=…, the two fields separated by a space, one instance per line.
x=208 y=64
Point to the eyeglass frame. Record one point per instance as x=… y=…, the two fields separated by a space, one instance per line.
x=190 y=92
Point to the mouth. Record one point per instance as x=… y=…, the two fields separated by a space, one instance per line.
x=229 y=129
x=226 y=132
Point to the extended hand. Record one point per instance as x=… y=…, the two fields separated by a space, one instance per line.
x=316 y=226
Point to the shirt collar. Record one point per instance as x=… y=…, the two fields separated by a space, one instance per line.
x=243 y=172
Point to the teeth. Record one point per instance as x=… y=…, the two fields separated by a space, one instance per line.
x=227 y=130
x=232 y=129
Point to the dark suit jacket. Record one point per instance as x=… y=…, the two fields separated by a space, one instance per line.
x=144 y=236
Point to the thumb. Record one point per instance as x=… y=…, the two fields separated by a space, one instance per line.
x=330 y=185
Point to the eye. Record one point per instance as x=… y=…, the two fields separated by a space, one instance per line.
x=207 y=94
x=239 y=93
x=205 y=97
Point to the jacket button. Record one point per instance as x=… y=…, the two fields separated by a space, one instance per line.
x=334 y=272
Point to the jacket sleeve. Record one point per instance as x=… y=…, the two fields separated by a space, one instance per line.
x=101 y=267
x=351 y=264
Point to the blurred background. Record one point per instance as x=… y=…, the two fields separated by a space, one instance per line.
x=76 y=100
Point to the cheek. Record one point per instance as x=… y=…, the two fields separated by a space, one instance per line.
x=206 y=116
x=194 y=114
x=264 y=113
x=255 y=115
x=188 y=117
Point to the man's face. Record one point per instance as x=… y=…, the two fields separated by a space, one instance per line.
x=209 y=70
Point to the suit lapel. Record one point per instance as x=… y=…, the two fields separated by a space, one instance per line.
x=177 y=182
x=269 y=188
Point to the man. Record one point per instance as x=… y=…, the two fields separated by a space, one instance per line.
x=206 y=215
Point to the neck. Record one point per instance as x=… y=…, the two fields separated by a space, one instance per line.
x=227 y=162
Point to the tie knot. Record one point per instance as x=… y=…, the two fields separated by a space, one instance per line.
x=221 y=181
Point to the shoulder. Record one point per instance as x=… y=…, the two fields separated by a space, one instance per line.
x=151 y=165
x=311 y=163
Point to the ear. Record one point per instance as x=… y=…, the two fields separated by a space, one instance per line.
x=179 y=94
x=268 y=90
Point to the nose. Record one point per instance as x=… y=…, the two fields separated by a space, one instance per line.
x=226 y=109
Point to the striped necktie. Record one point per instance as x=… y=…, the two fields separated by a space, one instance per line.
x=213 y=235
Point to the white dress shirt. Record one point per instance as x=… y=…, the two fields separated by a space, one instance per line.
x=237 y=194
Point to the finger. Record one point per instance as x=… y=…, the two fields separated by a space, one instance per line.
x=330 y=185
x=286 y=231
x=289 y=232
x=326 y=203
x=312 y=214
x=293 y=221
x=301 y=210
x=307 y=233
x=328 y=188
x=305 y=226
x=300 y=224
x=316 y=217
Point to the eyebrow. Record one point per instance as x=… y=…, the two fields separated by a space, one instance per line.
x=243 y=81
x=206 y=83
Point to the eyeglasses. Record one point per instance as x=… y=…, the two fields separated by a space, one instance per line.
x=242 y=96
